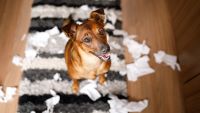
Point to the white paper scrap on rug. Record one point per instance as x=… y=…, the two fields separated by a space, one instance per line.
x=90 y=89
x=139 y=68
x=120 y=32
x=169 y=60
x=123 y=106
x=136 y=49
x=30 y=53
x=8 y=94
x=57 y=77
x=51 y=102
x=117 y=64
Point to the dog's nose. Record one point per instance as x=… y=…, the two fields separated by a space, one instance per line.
x=105 y=48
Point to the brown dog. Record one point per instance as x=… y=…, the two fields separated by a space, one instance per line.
x=87 y=51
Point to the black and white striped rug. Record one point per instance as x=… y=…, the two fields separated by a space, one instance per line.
x=47 y=41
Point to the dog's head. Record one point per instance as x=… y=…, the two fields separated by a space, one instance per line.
x=90 y=35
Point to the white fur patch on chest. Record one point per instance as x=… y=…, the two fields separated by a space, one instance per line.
x=89 y=61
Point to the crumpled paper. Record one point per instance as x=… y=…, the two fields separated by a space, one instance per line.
x=40 y=39
x=117 y=64
x=8 y=94
x=139 y=68
x=123 y=106
x=90 y=89
x=136 y=49
x=169 y=60
x=51 y=102
x=17 y=60
x=109 y=26
x=57 y=77
x=120 y=32
x=30 y=53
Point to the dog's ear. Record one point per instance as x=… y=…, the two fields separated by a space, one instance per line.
x=69 y=27
x=98 y=15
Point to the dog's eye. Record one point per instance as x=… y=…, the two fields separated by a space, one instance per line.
x=87 y=40
x=101 y=31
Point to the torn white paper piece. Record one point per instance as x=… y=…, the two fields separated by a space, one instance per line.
x=136 y=49
x=17 y=60
x=169 y=60
x=51 y=102
x=112 y=17
x=109 y=26
x=30 y=53
x=57 y=77
x=123 y=106
x=53 y=31
x=117 y=64
x=52 y=92
x=38 y=39
x=114 y=45
x=10 y=91
x=1 y=94
x=32 y=112
x=139 y=68
x=90 y=89
x=8 y=95
x=120 y=32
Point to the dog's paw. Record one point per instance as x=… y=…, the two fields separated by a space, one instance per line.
x=102 y=81
x=75 y=88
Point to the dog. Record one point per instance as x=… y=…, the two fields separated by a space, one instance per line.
x=87 y=53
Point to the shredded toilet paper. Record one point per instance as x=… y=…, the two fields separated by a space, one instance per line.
x=51 y=102
x=139 y=68
x=169 y=60
x=8 y=94
x=90 y=89
x=136 y=49
x=123 y=106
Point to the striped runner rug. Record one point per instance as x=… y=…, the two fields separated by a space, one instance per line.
x=39 y=73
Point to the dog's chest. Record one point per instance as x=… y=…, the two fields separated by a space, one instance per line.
x=90 y=62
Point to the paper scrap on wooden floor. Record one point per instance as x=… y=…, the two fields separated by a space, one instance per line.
x=8 y=94
x=17 y=60
x=123 y=106
x=139 y=68
x=90 y=89
x=51 y=102
x=169 y=60
x=136 y=49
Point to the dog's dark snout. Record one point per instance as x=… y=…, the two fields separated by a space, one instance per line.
x=105 y=48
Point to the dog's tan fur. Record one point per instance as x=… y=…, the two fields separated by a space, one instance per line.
x=82 y=57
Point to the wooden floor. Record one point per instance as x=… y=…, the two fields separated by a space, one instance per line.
x=147 y=19
x=14 y=22
x=150 y=21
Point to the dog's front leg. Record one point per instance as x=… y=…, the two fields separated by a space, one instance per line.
x=102 y=78
x=75 y=86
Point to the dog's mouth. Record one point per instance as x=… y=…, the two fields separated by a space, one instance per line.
x=104 y=57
